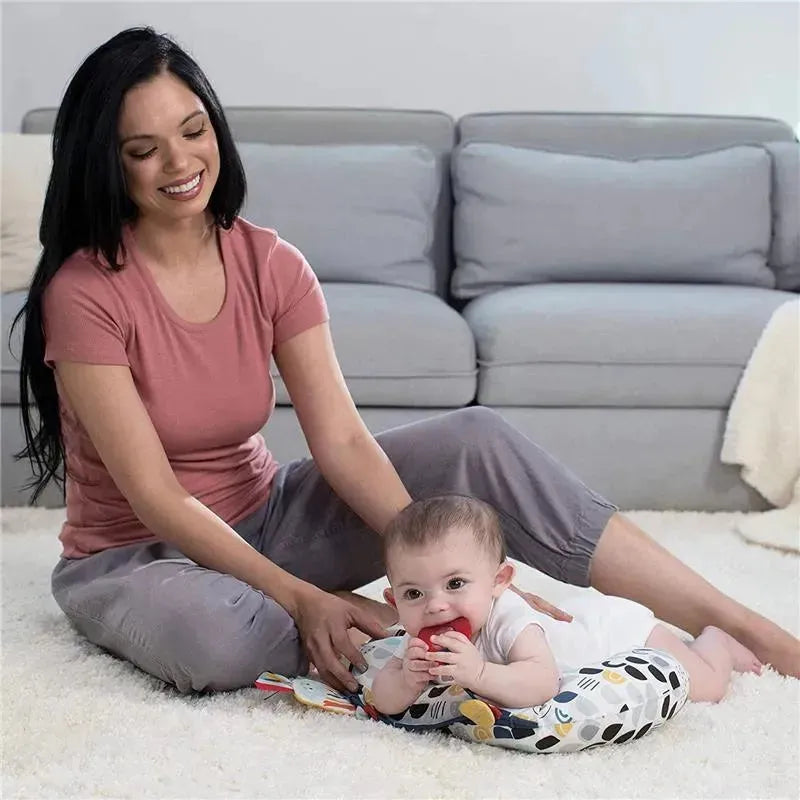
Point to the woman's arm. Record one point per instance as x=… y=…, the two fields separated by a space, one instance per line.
x=108 y=405
x=347 y=455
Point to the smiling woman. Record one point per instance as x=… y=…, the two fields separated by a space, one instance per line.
x=149 y=328
x=170 y=174
x=184 y=153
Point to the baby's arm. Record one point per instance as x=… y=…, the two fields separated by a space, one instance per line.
x=530 y=678
x=400 y=682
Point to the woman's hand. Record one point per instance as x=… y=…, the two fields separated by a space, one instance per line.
x=323 y=621
x=536 y=602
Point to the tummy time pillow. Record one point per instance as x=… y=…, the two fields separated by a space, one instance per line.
x=615 y=700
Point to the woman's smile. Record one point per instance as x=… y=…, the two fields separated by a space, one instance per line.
x=185 y=189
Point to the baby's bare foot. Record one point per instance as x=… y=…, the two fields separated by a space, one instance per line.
x=743 y=660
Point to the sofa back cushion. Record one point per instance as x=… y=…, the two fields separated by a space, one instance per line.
x=359 y=213
x=784 y=256
x=626 y=136
x=530 y=216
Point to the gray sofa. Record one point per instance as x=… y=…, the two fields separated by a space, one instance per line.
x=600 y=280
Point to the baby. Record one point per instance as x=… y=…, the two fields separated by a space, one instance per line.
x=445 y=558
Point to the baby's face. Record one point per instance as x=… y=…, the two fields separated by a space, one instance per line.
x=434 y=584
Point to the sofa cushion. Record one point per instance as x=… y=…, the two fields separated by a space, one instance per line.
x=593 y=344
x=359 y=213
x=399 y=347
x=784 y=256
x=529 y=216
x=26 y=169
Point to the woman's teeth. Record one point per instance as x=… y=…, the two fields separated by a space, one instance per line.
x=184 y=187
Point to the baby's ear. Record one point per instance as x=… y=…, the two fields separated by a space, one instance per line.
x=503 y=578
x=388 y=596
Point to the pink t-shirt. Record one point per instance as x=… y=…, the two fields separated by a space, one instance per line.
x=205 y=385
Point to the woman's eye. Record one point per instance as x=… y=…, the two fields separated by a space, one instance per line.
x=455 y=583
x=191 y=135
x=413 y=594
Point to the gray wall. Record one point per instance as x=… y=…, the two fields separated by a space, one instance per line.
x=708 y=57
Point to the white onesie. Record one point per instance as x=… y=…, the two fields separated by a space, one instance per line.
x=603 y=625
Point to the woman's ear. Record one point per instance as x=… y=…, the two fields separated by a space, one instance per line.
x=503 y=578
x=388 y=596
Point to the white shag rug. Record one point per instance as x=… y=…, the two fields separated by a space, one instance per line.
x=79 y=723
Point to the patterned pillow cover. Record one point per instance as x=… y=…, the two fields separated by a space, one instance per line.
x=616 y=700
x=613 y=701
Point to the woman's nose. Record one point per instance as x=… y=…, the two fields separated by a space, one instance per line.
x=176 y=160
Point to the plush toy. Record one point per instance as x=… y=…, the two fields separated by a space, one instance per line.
x=616 y=700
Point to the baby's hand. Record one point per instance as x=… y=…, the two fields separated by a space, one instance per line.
x=416 y=668
x=460 y=659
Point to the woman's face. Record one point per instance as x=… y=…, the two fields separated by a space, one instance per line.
x=168 y=149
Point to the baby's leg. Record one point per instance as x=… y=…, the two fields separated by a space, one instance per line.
x=709 y=660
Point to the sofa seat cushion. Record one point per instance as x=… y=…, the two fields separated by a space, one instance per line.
x=12 y=302
x=398 y=347
x=637 y=345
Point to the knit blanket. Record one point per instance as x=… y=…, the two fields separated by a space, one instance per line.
x=762 y=432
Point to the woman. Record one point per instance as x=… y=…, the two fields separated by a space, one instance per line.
x=148 y=330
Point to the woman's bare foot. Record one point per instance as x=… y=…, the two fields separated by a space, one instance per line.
x=630 y=564
x=770 y=644
x=742 y=659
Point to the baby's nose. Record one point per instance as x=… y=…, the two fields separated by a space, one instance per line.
x=437 y=603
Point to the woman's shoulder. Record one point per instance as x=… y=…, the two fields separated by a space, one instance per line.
x=84 y=263
x=265 y=244
x=85 y=276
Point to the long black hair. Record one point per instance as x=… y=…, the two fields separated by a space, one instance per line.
x=86 y=206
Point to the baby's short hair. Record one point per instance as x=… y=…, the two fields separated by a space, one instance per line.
x=428 y=521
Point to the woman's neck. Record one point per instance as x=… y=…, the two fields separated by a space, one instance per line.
x=174 y=244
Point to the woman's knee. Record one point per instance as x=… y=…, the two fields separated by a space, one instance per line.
x=232 y=650
x=476 y=423
x=194 y=635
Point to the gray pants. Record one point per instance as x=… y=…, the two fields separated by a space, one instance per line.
x=200 y=629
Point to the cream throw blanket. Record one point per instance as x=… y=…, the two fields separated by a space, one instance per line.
x=26 y=165
x=763 y=430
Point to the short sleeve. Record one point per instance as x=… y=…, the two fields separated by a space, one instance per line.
x=515 y=616
x=84 y=321
x=299 y=303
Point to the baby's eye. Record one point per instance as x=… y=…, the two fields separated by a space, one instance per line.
x=412 y=594
x=455 y=583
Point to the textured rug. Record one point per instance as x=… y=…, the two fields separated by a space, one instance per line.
x=79 y=723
